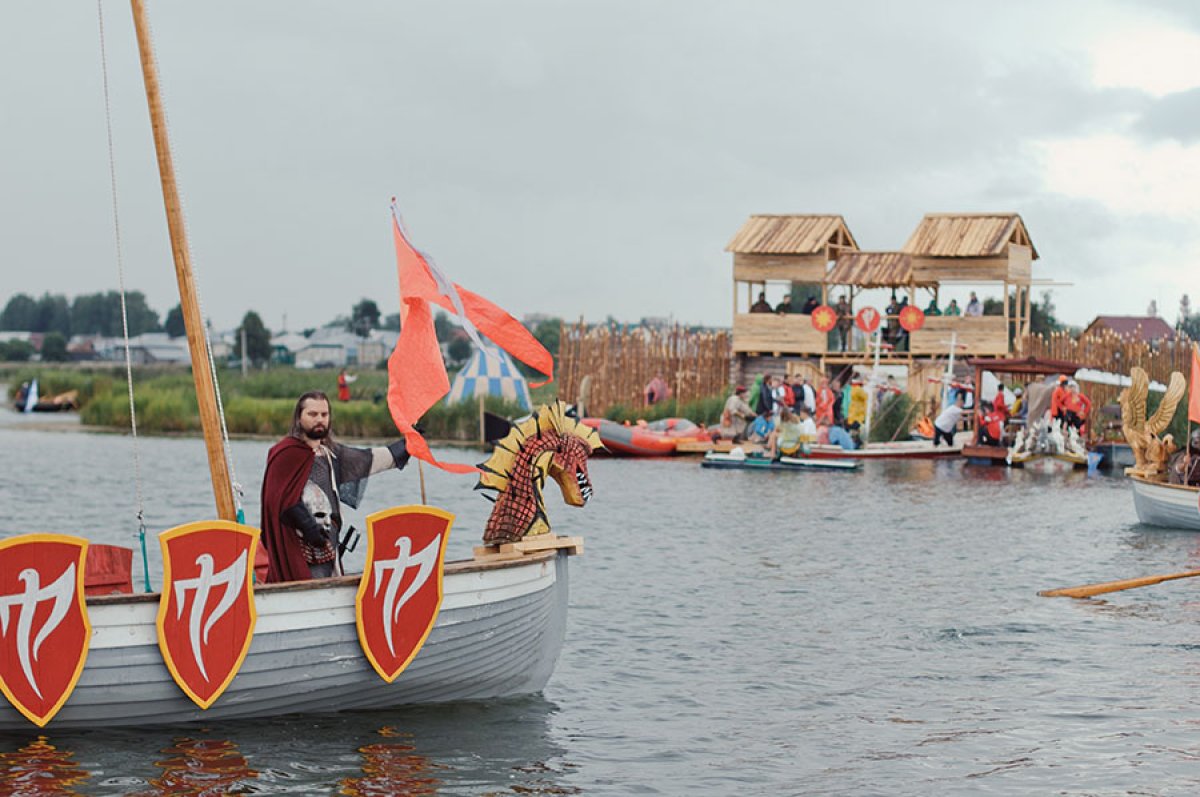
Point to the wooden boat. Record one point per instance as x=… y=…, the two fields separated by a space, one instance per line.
x=1026 y=371
x=498 y=634
x=654 y=439
x=62 y=402
x=1047 y=463
x=1172 y=506
x=495 y=628
x=1156 y=500
x=901 y=449
x=714 y=459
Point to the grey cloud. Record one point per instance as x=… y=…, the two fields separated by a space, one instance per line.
x=1174 y=116
x=534 y=146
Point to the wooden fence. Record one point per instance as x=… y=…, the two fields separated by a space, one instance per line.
x=1107 y=351
x=620 y=361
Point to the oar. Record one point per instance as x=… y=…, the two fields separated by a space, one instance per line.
x=1088 y=590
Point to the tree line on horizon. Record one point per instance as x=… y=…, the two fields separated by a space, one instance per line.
x=58 y=319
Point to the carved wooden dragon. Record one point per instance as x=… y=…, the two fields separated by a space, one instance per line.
x=1150 y=452
x=548 y=444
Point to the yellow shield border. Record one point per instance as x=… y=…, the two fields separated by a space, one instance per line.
x=164 y=601
x=80 y=574
x=372 y=519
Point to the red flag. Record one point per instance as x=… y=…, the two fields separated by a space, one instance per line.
x=417 y=379
x=1194 y=387
x=420 y=279
x=416 y=373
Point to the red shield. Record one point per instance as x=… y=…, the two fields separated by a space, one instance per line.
x=206 y=613
x=824 y=318
x=912 y=318
x=401 y=588
x=867 y=319
x=44 y=628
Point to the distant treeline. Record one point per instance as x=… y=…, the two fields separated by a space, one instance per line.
x=87 y=314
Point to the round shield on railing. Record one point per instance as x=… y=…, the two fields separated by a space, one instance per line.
x=867 y=319
x=912 y=318
x=824 y=318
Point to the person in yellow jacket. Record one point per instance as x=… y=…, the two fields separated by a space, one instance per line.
x=858 y=405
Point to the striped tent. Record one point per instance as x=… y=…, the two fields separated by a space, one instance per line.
x=490 y=374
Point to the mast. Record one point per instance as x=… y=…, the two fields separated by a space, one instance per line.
x=206 y=394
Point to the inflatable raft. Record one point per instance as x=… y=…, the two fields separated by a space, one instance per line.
x=654 y=439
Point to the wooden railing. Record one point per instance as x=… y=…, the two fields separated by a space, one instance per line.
x=768 y=333
x=975 y=335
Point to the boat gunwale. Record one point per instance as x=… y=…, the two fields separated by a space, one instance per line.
x=1149 y=483
x=456 y=567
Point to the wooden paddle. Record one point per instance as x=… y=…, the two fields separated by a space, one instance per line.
x=1088 y=590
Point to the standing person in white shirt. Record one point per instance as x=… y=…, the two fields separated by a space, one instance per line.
x=974 y=308
x=948 y=420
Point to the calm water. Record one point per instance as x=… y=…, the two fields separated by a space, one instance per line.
x=730 y=633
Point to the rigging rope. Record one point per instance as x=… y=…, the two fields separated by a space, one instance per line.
x=112 y=177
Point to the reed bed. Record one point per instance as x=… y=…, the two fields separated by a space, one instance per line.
x=617 y=363
x=262 y=404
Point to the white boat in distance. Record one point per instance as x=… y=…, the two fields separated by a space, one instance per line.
x=1172 y=506
x=498 y=634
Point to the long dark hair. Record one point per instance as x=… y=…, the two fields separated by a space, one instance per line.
x=297 y=430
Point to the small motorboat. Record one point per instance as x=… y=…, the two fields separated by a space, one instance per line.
x=29 y=400
x=733 y=460
x=654 y=439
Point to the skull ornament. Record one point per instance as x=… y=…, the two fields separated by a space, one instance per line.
x=317 y=503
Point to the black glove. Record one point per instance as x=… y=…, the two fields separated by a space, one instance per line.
x=399 y=452
x=299 y=518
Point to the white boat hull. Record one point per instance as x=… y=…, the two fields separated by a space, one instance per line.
x=1169 y=505
x=498 y=634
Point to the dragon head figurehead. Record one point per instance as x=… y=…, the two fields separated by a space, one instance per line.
x=548 y=444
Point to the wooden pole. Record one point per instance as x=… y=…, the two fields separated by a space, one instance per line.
x=210 y=420
x=482 y=433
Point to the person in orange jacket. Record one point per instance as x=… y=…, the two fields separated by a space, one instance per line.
x=1058 y=399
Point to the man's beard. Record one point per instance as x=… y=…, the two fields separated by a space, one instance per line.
x=317 y=433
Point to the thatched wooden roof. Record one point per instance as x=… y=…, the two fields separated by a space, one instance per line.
x=872 y=269
x=967 y=235
x=789 y=235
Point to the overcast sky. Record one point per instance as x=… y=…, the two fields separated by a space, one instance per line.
x=593 y=158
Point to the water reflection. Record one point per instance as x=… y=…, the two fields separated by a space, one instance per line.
x=201 y=768
x=40 y=768
x=392 y=768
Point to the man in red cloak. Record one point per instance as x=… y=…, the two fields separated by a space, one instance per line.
x=309 y=475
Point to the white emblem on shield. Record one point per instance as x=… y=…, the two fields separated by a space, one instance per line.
x=231 y=578
x=391 y=571
x=61 y=591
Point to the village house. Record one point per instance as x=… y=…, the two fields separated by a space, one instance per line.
x=1145 y=328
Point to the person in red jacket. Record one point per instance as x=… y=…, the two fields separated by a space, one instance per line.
x=1077 y=406
x=991 y=424
x=1058 y=399
x=999 y=405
